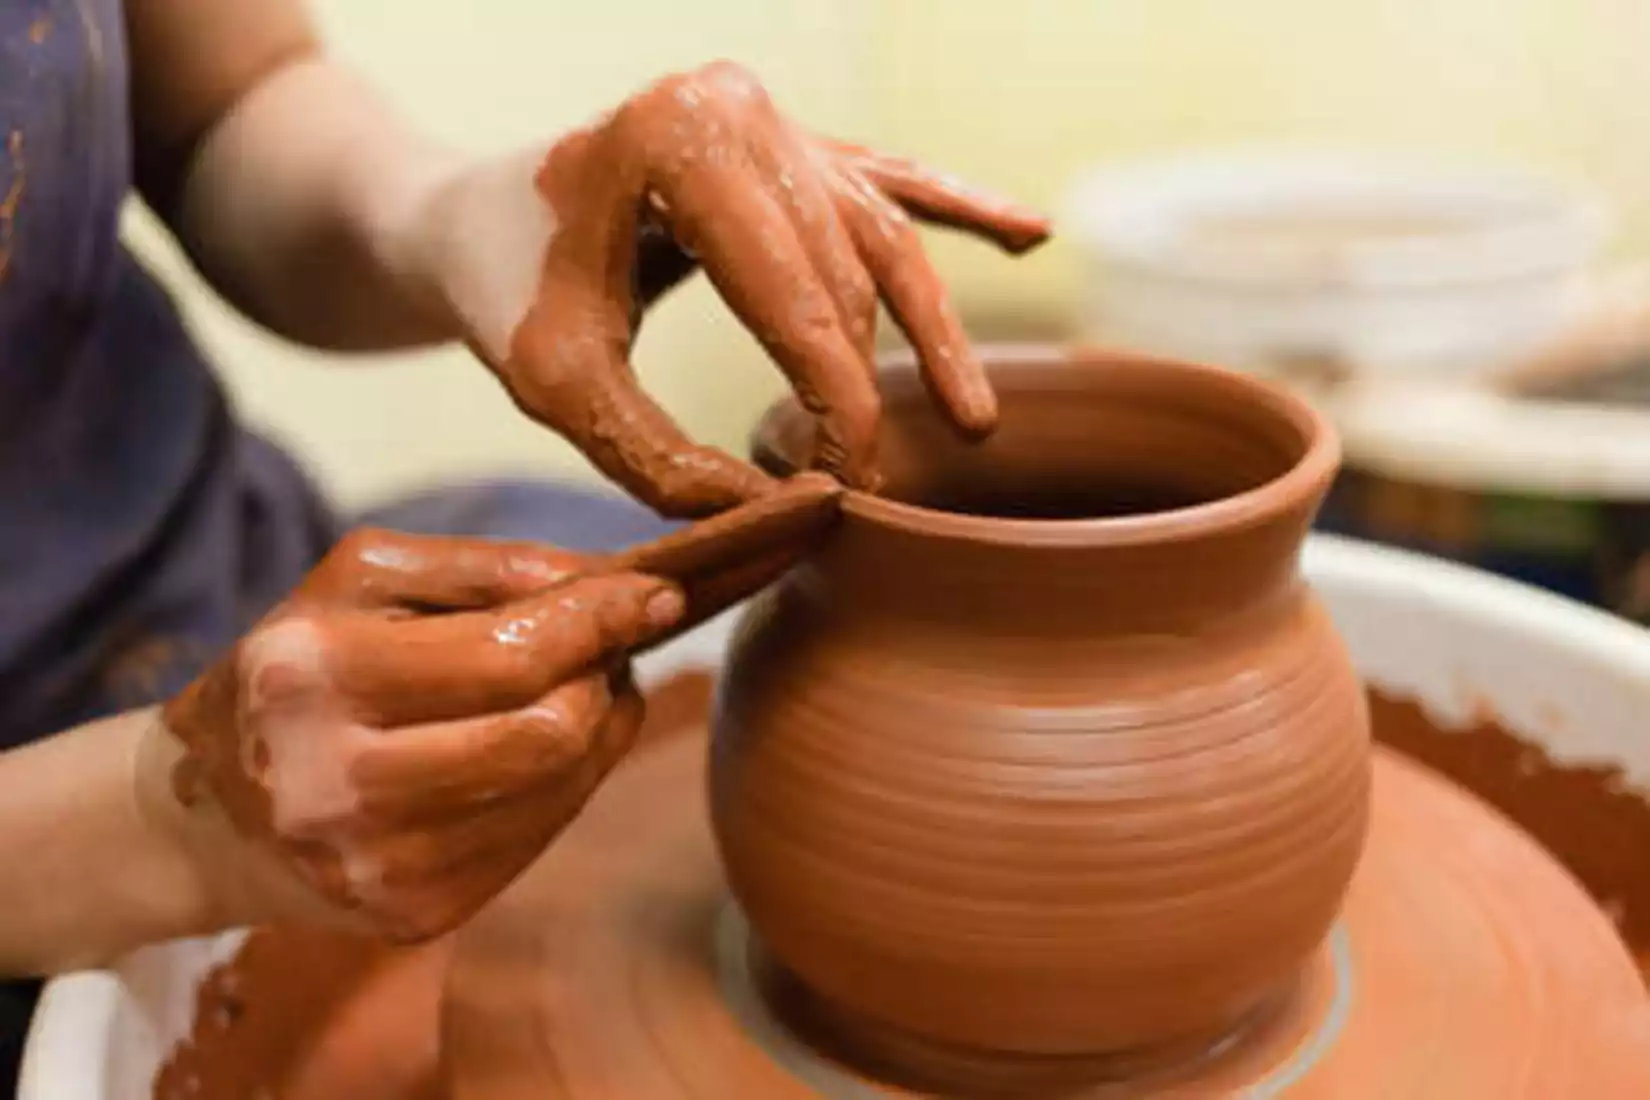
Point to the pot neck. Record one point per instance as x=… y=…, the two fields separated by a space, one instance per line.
x=1056 y=578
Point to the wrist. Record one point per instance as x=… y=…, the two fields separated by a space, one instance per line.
x=193 y=845
x=220 y=878
x=175 y=836
x=301 y=207
x=395 y=193
x=470 y=240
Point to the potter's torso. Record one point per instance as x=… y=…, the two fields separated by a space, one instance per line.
x=125 y=490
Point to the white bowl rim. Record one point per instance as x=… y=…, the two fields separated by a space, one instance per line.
x=1473 y=439
x=1128 y=214
x=77 y=1009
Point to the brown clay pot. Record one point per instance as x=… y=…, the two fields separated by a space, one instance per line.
x=1050 y=749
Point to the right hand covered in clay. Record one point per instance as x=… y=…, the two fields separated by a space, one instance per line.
x=398 y=740
x=548 y=259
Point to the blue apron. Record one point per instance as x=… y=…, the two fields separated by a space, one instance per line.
x=141 y=528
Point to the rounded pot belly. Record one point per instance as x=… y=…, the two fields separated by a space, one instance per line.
x=1079 y=845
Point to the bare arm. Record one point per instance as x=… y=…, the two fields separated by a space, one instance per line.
x=284 y=176
x=93 y=861
x=317 y=211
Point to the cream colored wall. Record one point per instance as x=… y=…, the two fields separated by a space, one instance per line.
x=1024 y=94
x=1019 y=95
x=493 y=74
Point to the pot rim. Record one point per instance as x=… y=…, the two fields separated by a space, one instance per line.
x=1308 y=477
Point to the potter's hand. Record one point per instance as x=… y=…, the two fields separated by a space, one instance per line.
x=410 y=729
x=550 y=259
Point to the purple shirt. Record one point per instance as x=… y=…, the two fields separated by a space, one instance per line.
x=141 y=529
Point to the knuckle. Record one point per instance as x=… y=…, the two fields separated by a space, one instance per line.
x=704 y=97
x=883 y=228
x=280 y=662
x=898 y=229
x=860 y=294
x=553 y=384
x=558 y=737
x=630 y=120
x=310 y=774
x=621 y=609
x=334 y=576
x=732 y=79
x=697 y=482
x=531 y=563
x=859 y=285
x=355 y=544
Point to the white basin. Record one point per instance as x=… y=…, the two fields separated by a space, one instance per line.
x=1569 y=677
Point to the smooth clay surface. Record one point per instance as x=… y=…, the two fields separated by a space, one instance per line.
x=1467 y=965
x=1067 y=761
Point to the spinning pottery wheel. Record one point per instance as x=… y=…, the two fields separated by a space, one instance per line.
x=620 y=967
x=1016 y=791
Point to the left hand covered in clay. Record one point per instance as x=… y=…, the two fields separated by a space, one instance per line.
x=407 y=731
x=549 y=259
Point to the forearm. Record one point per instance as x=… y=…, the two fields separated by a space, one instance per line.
x=89 y=868
x=285 y=177
x=298 y=204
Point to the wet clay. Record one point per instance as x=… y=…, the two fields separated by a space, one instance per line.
x=616 y=968
x=302 y=1014
x=501 y=670
x=1091 y=785
x=498 y=668
x=800 y=236
x=1596 y=825
x=721 y=561
x=645 y=1002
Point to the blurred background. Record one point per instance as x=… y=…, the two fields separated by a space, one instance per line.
x=1522 y=98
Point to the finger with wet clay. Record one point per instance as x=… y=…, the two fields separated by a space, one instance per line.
x=404 y=873
x=375 y=568
x=535 y=759
x=946 y=201
x=263 y=719
x=377 y=862
x=724 y=559
x=795 y=174
x=392 y=673
x=750 y=251
x=419 y=882
x=585 y=390
x=641 y=447
x=568 y=364
x=440 y=768
x=917 y=300
x=797 y=511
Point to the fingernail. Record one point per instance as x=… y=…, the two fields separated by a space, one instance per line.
x=664 y=608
